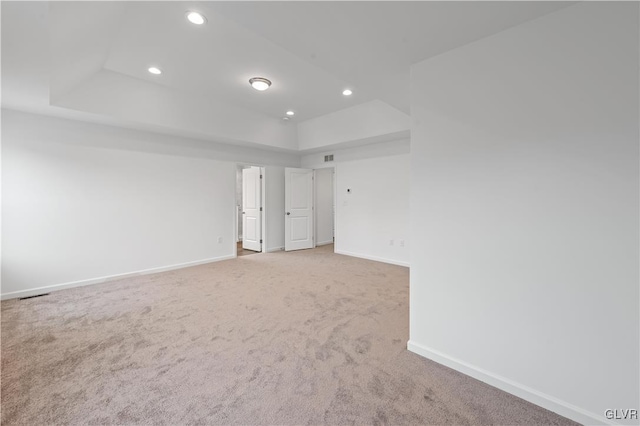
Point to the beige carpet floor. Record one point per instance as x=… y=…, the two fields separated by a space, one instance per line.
x=308 y=337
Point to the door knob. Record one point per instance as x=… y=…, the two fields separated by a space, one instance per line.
x=288 y=213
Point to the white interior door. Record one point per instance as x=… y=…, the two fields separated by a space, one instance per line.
x=298 y=205
x=252 y=209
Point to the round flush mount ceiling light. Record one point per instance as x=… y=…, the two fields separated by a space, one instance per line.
x=347 y=92
x=196 y=18
x=154 y=70
x=290 y=113
x=259 y=83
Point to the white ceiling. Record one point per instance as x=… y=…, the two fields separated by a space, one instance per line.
x=218 y=59
x=310 y=50
x=372 y=45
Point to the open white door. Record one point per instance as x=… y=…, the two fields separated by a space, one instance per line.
x=252 y=209
x=298 y=207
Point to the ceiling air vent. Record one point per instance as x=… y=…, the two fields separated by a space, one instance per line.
x=328 y=158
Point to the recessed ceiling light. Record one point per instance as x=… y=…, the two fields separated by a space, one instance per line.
x=196 y=18
x=347 y=92
x=290 y=113
x=285 y=118
x=259 y=83
x=155 y=70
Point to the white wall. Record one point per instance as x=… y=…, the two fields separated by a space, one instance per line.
x=112 y=137
x=363 y=121
x=525 y=203
x=382 y=149
x=376 y=210
x=274 y=208
x=81 y=202
x=323 y=206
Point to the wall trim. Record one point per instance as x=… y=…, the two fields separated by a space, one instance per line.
x=536 y=397
x=324 y=243
x=377 y=259
x=90 y=281
x=274 y=249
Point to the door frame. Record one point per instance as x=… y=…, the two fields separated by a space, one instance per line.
x=263 y=203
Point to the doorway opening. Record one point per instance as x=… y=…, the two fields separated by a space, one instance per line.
x=249 y=209
x=324 y=206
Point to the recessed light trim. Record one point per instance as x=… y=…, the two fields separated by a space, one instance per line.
x=290 y=113
x=259 y=83
x=154 y=70
x=285 y=118
x=196 y=18
x=347 y=92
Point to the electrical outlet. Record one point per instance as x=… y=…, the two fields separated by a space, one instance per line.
x=219 y=240
x=401 y=243
x=390 y=242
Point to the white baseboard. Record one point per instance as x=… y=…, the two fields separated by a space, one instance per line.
x=274 y=249
x=539 y=398
x=324 y=243
x=377 y=259
x=55 y=287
